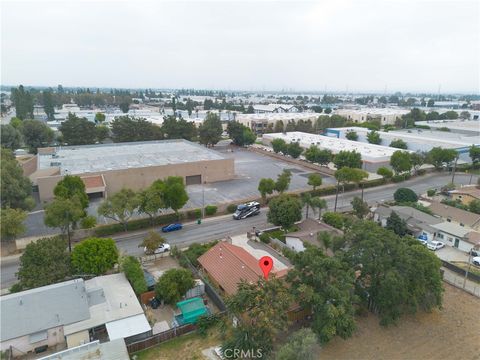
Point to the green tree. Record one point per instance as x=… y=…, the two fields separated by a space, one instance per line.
x=94 y=256
x=124 y=106
x=279 y=145
x=474 y=206
x=101 y=133
x=11 y=138
x=417 y=159
x=325 y=285
x=474 y=153
x=396 y=224
x=401 y=162
x=348 y=175
x=300 y=345
x=173 y=128
x=315 y=180
x=399 y=144
x=439 y=157
x=403 y=195
x=240 y=134
x=465 y=115
x=48 y=105
x=175 y=195
x=284 y=211
x=64 y=214
x=71 y=186
x=120 y=206
x=307 y=202
x=174 y=284
x=99 y=118
x=350 y=159
x=23 y=101
x=78 y=131
x=384 y=172
x=262 y=323
x=266 y=186
x=373 y=137
x=352 y=135
x=16 y=189
x=283 y=181
x=134 y=273
x=151 y=199
x=397 y=276
x=210 y=131
x=36 y=135
x=11 y=224
x=294 y=149
x=318 y=204
x=152 y=242
x=127 y=129
x=279 y=127
x=360 y=207
x=44 y=262
x=430 y=102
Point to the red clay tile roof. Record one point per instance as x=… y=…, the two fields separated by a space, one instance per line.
x=228 y=264
x=94 y=181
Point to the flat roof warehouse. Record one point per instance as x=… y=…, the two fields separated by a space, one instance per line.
x=96 y=158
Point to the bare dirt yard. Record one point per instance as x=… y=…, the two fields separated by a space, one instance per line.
x=450 y=333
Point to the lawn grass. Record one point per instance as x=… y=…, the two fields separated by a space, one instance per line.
x=187 y=347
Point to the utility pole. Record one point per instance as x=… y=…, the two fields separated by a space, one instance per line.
x=454 y=169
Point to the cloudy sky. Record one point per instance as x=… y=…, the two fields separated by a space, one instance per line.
x=333 y=45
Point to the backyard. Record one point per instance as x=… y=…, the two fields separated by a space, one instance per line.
x=450 y=333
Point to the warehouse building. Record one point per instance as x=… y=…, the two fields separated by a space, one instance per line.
x=386 y=116
x=373 y=156
x=107 y=168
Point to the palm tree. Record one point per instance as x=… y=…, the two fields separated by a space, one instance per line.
x=319 y=204
x=307 y=202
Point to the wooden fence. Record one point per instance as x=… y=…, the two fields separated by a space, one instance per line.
x=159 y=338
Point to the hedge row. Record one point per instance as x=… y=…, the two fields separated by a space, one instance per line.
x=137 y=224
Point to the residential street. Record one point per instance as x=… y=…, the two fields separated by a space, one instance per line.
x=219 y=227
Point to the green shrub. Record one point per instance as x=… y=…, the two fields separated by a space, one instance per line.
x=210 y=210
x=136 y=224
x=403 y=195
x=231 y=208
x=398 y=178
x=205 y=322
x=134 y=273
x=431 y=192
x=333 y=219
x=422 y=127
x=194 y=214
x=265 y=238
x=194 y=251
x=373 y=183
x=88 y=222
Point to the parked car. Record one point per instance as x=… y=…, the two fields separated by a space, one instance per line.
x=435 y=245
x=423 y=239
x=474 y=252
x=476 y=260
x=172 y=227
x=160 y=250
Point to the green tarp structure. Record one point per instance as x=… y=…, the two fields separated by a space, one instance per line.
x=192 y=309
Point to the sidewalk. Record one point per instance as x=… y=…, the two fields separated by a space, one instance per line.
x=458 y=281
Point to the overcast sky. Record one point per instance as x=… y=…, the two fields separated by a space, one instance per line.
x=331 y=45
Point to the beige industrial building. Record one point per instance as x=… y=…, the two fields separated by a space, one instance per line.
x=107 y=168
x=386 y=116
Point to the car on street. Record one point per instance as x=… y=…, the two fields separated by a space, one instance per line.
x=476 y=260
x=172 y=227
x=160 y=250
x=435 y=245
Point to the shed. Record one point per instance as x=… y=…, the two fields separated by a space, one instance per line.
x=191 y=310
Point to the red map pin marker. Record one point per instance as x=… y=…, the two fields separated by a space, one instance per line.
x=266 y=264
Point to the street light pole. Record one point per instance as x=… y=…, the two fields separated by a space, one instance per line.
x=203 y=191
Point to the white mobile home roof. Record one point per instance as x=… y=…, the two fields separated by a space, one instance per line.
x=130 y=326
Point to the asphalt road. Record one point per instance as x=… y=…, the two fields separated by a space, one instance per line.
x=219 y=227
